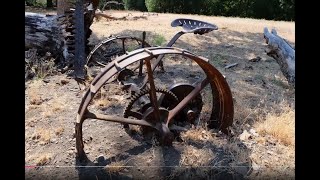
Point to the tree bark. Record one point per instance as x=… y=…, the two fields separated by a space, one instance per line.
x=42 y=32
x=56 y=33
x=283 y=53
x=63 y=6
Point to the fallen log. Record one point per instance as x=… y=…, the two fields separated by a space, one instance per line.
x=98 y=15
x=56 y=34
x=283 y=53
x=42 y=32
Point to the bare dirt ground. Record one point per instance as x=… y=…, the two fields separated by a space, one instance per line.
x=262 y=143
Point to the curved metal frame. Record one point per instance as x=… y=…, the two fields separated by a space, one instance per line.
x=105 y=41
x=222 y=108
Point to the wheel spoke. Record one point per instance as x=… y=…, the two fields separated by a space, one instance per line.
x=153 y=95
x=118 y=119
x=187 y=99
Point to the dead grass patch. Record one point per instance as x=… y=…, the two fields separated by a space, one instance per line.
x=42 y=135
x=196 y=135
x=239 y=155
x=47 y=112
x=242 y=112
x=43 y=159
x=192 y=156
x=58 y=131
x=100 y=100
x=31 y=107
x=115 y=167
x=57 y=105
x=34 y=96
x=281 y=126
x=36 y=100
x=54 y=107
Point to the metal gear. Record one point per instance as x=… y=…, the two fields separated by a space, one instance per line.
x=145 y=111
x=192 y=111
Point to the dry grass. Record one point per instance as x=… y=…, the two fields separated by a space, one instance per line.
x=43 y=159
x=115 y=167
x=192 y=156
x=242 y=111
x=196 y=135
x=35 y=100
x=34 y=95
x=47 y=112
x=57 y=106
x=59 y=131
x=42 y=135
x=53 y=107
x=239 y=155
x=280 y=126
x=100 y=100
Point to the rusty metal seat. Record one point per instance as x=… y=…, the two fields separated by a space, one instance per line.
x=194 y=26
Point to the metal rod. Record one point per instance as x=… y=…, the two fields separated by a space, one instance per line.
x=142 y=46
x=187 y=99
x=117 y=119
x=123 y=46
x=152 y=92
x=156 y=63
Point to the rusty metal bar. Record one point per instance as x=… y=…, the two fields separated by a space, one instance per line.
x=141 y=61
x=105 y=41
x=118 y=119
x=187 y=99
x=123 y=46
x=157 y=61
x=152 y=92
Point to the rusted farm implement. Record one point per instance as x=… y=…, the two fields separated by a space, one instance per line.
x=157 y=107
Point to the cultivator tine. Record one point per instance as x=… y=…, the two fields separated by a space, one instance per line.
x=79 y=59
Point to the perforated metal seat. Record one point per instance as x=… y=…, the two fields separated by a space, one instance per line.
x=194 y=26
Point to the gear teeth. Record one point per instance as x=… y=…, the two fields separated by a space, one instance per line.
x=143 y=92
x=135 y=97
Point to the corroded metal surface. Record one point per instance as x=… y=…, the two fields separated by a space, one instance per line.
x=112 y=39
x=222 y=108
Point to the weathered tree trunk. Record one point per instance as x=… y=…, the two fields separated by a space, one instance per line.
x=283 y=53
x=43 y=33
x=63 y=6
x=56 y=33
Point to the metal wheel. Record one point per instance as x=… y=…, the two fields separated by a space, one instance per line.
x=110 y=48
x=170 y=102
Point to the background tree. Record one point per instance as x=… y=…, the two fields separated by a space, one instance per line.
x=262 y=9
x=49 y=4
x=135 y=5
